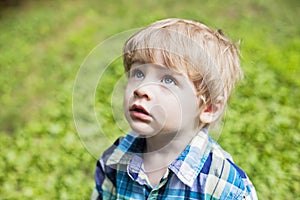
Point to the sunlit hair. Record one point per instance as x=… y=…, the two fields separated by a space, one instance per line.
x=209 y=58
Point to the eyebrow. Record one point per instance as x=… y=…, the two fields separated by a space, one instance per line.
x=164 y=68
x=139 y=61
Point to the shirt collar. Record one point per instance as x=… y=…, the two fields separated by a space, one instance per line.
x=131 y=145
x=190 y=162
x=186 y=167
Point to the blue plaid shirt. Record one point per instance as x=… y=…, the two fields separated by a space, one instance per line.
x=202 y=171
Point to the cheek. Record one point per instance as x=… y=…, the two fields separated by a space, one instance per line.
x=171 y=108
x=126 y=102
x=127 y=95
x=188 y=107
x=190 y=103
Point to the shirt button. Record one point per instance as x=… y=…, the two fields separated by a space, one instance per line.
x=153 y=195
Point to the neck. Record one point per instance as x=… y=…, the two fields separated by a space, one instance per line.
x=162 y=149
x=166 y=143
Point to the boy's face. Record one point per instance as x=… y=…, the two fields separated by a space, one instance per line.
x=158 y=101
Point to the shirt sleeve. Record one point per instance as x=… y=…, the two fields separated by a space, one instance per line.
x=105 y=177
x=105 y=186
x=250 y=189
x=95 y=195
x=225 y=180
x=251 y=192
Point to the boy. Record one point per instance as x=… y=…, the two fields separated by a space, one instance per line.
x=180 y=76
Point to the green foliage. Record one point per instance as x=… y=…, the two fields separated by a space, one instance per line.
x=43 y=44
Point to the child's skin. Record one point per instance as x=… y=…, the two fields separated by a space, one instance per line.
x=162 y=106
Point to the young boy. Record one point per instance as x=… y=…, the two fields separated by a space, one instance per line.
x=180 y=76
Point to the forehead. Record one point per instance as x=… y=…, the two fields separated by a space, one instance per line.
x=153 y=67
x=159 y=58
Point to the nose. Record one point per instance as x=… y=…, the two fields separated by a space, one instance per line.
x=142 y=92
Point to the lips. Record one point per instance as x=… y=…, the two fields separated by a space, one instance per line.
x=139 y=112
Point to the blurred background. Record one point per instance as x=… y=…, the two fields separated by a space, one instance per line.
x=43 y=44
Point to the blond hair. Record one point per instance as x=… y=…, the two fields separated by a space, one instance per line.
x=209 y=58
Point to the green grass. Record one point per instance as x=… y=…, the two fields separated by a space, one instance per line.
x=43 y=44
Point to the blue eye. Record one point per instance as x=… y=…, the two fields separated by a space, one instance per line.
x=168 y=80
x=138 y=74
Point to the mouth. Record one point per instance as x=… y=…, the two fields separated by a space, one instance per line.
x=139 y=109
x=139 y=112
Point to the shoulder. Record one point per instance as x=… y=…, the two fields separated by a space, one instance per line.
x=102 y=170
x=109 y=151
x=105 y=175
x=223 y=178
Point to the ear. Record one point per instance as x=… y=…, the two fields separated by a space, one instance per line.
x=213 y=111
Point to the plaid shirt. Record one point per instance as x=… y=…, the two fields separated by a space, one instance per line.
x=202 y=171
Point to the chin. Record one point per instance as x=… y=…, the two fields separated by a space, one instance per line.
x=144 y=131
